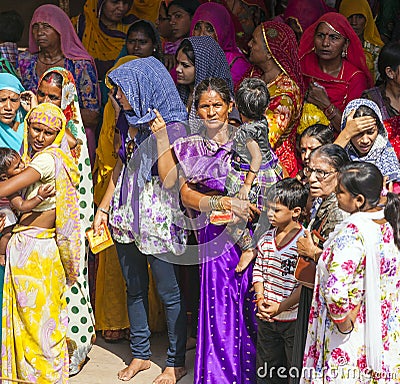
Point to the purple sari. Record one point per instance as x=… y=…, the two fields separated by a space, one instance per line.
x=227 y=328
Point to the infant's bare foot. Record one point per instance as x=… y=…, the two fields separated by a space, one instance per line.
x=245 y=259
x=170 y=375
x=136 y=366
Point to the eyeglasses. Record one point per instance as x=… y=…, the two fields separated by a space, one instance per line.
x=320 y=174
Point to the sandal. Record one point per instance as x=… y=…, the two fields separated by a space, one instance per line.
x=113 y=336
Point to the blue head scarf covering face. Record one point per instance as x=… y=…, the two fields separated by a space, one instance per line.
x=147 y=85
x=381 y=153
x=11 y=137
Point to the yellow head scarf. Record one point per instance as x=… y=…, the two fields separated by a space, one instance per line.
x=361 y=7
x=67 y=223
x=101 y=45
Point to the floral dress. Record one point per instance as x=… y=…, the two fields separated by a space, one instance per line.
x=283 y=113
x=332 y=357
x=83 y=72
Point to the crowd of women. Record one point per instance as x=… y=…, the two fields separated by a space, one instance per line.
x=139 y=116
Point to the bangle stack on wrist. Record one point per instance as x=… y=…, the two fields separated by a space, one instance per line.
x=215 y=203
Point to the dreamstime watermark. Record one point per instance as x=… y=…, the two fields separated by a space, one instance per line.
x=340 y=372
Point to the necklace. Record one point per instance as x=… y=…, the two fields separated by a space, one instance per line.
x=52 y=63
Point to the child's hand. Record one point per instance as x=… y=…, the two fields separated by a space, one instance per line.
x=244 y=192
x=272 y=308
x=46 y=191
x=2 y=260
x=262 y=311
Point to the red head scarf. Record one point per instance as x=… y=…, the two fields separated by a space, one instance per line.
x=71 y=46
x=305 y=12
x=282 y=44
x=355 y=52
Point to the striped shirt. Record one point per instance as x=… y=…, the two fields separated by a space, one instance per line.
x=274 y=267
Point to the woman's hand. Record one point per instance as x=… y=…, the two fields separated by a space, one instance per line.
x=158 y=126
x=115 y=104
x=353 y=127
x=100 y=219
x=28 y=100
x=46 y=191
x=305 y=245
x=316 y=94
x=241 y=208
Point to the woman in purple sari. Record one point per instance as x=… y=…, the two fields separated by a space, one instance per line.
x=226 y=336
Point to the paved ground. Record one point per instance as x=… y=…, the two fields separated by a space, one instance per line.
x=106 y=359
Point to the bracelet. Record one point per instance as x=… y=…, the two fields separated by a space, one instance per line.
x=253 y=171
x=215 y=203
x=347 y=332
x=103 y=210
x=40 y=197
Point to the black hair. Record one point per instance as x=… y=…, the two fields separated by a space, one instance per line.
x=7 y=155
x=362 y=178
x=363 y=110
x=214 y=84
x=150 y=31
x=11 y=26
x=389 y=57
x=55 y=78
x=335 y=155
x=252 y=98
x=188 y=6
x=320 y=132
x=187 y=48
x=289 y=192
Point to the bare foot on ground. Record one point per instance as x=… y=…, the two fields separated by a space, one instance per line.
x=136 y=366
x=170 y=375
x=245 y=260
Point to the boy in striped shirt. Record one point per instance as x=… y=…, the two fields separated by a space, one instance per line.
x=277 y=291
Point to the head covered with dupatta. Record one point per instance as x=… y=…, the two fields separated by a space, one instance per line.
x=67 y=223
x=381 y=153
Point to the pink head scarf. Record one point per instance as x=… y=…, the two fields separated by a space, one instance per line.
x=219 y=17
x=71 y=46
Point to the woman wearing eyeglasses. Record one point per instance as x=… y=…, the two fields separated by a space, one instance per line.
x=321 y=171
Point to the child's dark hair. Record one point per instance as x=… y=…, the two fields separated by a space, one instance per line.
x=288 y=192
x=7 y=155
x=214 y=84
x=362 y=178
x=363 y=110
x=252 y=98
x=11 y=26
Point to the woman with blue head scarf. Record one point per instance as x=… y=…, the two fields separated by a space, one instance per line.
x=11 y=113
x=370 y=142
x=145 y=218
